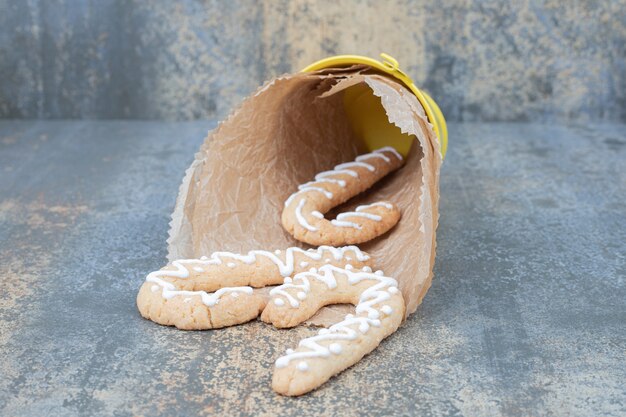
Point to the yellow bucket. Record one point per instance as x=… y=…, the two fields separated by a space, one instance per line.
x=366 y=114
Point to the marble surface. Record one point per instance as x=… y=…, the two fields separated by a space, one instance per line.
x=526 y=314
x=528 y=60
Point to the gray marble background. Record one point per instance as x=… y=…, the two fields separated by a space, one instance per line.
x=495 y=60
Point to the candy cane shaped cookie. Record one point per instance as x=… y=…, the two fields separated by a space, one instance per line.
x=215 y=291
x=164 y=304
x=379 y=312
x=303 y=215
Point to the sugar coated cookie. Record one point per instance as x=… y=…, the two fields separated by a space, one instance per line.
x=379 y=312
x=216 y=291
x=303 y=215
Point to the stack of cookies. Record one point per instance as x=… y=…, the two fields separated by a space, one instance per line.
x=219 y=290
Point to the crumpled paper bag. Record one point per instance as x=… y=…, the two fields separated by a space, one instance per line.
x=293 y=127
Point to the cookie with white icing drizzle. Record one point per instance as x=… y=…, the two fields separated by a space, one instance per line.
x=215 y=291
x=379 y=312
x=303 y=215
x=198 y=310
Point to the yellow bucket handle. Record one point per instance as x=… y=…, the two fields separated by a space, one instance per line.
x=389 y=65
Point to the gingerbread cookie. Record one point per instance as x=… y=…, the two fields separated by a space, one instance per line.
x=303 y=215
x=215 y=291
x=379 y=312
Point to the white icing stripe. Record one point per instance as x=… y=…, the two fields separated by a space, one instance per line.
x=340 y=183
x=370 y=216
x=372 y=155
x=208 y=299
x=301 y=220
x=291 y=198
x=342 y=169
x=326 y=193
x=302 y=189
x=338 y=331
x=281 y=291
x=335 y=172
x=369 y=167
x=369 y=298
x=386 y=309
x=326 y=275
x=389 y=149
x=211 y=299
x=285 y=268
x=327 y=278
x=343 y=223
x=378 y=203
x=340 y=220
x=170 y=291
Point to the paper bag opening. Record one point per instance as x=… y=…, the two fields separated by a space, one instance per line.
x=292 y=128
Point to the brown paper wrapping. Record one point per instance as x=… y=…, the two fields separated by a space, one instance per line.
x=292 y=128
